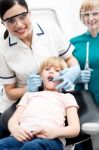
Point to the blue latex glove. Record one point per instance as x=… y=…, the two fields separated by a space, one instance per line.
x=33 y=82
x=85 y=76
x=68 y=76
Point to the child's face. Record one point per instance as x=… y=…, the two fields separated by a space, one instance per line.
x=48 y=73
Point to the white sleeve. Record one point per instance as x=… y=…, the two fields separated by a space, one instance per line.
x=64 y=46
x=7 y=76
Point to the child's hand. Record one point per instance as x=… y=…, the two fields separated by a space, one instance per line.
x=22 y=134
x=49 y=133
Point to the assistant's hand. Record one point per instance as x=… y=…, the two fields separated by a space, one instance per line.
x=33 y=82
x=85 y=76
x=68 y=76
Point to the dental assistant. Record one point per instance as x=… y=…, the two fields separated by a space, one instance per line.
x=89 y=15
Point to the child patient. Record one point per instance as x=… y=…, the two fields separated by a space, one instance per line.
x=39 y=120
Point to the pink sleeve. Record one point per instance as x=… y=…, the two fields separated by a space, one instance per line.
x=23 y=101
x=70 y=101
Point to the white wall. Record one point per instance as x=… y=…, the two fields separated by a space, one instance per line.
x=67 y=11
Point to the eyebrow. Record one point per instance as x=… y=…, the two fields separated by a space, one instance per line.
x=14 y=16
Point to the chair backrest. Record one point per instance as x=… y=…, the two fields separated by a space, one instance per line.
x=45 y=15
x=88 y=112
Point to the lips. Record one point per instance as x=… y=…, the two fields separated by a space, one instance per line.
x=21 y=30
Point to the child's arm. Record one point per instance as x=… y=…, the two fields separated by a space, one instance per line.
x=73 y=127
x=16 y=130
x=72 y=130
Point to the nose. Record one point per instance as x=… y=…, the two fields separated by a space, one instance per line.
x=90 y=16
x=19 y=23
x=51 y=71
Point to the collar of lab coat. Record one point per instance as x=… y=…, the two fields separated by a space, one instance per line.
x=13 y=40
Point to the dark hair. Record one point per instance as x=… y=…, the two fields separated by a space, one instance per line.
x=6 y=5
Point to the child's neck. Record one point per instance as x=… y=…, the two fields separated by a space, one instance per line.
x=53 y=90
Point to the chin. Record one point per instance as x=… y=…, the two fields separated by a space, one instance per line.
x=22 y=36
x=50 y=88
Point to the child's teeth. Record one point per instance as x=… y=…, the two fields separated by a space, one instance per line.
x=51 y=78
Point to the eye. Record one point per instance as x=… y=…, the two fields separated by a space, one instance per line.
x=95 y=13
x=23 y=16
x=86 y=14
x=47 y=68
x=10 y=21
x=57 y=69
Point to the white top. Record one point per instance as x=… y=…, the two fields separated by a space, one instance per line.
x=17 y=60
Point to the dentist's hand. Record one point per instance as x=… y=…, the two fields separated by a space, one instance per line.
x=68 y=77
x=65 y=84
x=33 y=82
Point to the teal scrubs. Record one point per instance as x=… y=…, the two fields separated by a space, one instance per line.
x=80 y=53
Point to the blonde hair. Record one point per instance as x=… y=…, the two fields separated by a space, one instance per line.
x=53 y=61
x=88 y=5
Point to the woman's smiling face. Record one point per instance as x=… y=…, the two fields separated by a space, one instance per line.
x=17 y=20
x=91 y=19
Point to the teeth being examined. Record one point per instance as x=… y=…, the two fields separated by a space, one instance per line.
x=50 y=78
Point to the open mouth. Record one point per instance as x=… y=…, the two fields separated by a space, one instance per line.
x=50 y=78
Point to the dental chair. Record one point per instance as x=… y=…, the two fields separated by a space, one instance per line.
x=88 y=114
x=89 y=117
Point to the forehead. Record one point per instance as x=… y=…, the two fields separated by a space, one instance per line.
x=52 y=63
x=16 y=9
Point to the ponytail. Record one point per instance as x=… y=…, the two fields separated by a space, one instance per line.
x=6 y=33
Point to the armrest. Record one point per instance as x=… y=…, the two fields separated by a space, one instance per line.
x=90 y=128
